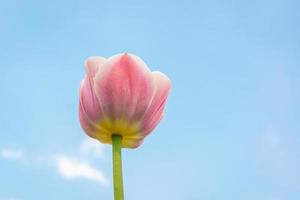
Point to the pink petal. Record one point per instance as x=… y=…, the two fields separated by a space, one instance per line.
x=130 y=143
x=155 y=111
x=93 y=129
x=92 y=64
x=124 y=87
x=88 y=99
x=85 y=122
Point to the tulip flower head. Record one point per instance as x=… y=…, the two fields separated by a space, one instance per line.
x=121 y=96
x=121 y=101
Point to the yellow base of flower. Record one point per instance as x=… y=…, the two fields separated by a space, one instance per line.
x=129 y=131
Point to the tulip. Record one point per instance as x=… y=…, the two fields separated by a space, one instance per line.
x=121 y=102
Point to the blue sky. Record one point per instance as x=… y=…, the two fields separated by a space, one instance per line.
x=231 y=129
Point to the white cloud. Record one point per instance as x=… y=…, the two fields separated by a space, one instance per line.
x=70 y=168
x=9 y=198
x=271 y=142
x=11 y=154
x=67 y=167
x=93 y=147
x=272 y=154
x=272 y=139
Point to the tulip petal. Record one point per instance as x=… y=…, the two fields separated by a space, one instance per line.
x=92 y=65
x=92 y=128
x=131 y=143
x=88 y=98
x=155 y=111
x=89 y=107
x=125 y=88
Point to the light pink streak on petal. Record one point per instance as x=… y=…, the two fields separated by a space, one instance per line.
x=156 y=118
x=92 y=65
x=85 y=121
x=124 y=87
x=92 y=128
x=155 y=111
x=88 y=98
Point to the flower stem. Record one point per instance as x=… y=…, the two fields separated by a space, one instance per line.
x=117 y=167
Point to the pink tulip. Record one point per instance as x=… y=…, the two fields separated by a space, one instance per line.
x=121 y=96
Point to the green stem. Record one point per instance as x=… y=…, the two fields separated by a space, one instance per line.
x=117 y=167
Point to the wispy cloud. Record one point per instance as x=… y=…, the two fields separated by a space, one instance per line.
x=92 y=147
x=271 y=142
x=272 y=157
x=272 y=139
x=11 y=154
x=9 y=198
x=70 y=168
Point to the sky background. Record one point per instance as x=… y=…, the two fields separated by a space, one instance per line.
x=231 y=129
